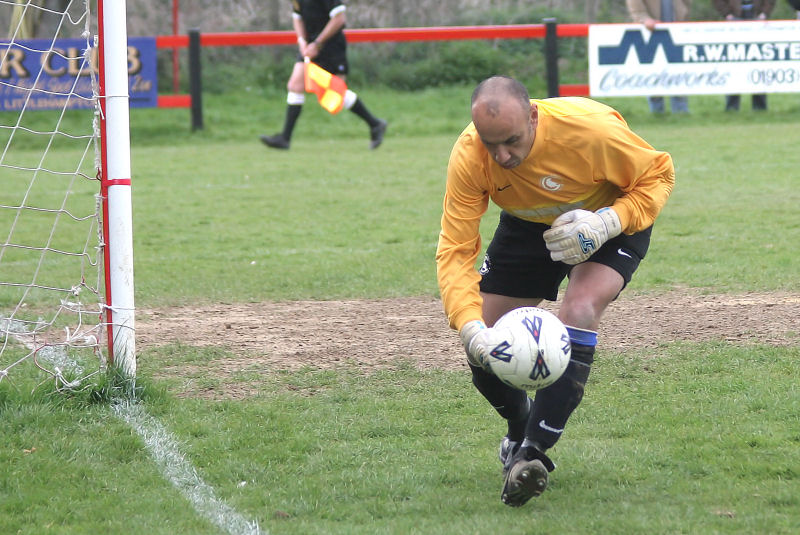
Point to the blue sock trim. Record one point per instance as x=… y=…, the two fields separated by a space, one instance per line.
x=582 y=336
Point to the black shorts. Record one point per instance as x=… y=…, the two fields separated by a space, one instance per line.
x=332 y=58
x=518 y=264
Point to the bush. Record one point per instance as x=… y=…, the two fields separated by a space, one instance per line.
x=452 y=63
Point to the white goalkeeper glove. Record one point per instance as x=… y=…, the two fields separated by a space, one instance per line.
x=578 y=234
x=479 y=340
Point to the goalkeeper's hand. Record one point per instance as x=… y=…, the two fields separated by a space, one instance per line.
x=577 y=235
x=479 y=340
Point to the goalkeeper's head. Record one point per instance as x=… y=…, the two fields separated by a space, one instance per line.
x=505 y=119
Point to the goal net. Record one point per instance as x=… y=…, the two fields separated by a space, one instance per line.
x=66 y=277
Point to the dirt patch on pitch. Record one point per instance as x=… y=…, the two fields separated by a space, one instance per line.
x=386 y=333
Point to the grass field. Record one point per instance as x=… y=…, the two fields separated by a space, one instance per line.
x=687 y=438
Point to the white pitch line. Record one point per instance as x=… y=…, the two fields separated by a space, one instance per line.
x=164 y=449
x=178 y=471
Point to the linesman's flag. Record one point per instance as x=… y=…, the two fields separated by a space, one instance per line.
x=329 y=88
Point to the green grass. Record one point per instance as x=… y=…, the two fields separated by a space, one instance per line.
x=330 y=219
x=693 y=439
x=685 y=439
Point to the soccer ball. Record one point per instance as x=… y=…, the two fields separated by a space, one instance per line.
x=535 y=352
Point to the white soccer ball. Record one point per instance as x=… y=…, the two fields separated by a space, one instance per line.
x=536 y=350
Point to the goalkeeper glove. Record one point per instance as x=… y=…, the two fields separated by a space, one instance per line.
x=578 y=234
x=479 y=341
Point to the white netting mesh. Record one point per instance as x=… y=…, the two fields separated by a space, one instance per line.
x=50 y=212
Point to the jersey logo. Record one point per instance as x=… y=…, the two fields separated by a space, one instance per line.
x=500 y=352
x=551 y=182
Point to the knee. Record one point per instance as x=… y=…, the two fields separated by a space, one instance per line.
x=581 y=312
x=294 y=87
x=296 y=83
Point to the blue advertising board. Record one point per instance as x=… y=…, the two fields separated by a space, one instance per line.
x=39 y=74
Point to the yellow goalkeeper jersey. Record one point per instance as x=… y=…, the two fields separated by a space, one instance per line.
x=584 y=156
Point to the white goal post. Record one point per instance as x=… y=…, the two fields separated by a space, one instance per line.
x=66 y=233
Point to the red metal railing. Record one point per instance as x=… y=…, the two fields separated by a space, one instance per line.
x=441 y=33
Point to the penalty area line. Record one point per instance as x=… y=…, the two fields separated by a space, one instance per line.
x=164 y=449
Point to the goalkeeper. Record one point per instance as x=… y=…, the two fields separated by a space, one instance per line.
x=579 y=192
x=319 y=26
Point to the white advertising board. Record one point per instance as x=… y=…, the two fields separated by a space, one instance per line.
x=695 y=58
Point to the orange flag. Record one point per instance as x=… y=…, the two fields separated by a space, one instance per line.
x=329 y=88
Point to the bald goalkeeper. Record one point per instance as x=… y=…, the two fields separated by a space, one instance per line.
x=579 y=193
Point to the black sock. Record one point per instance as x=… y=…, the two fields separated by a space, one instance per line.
x=292 y=113
x=510 y=403
x=362 y=111
x=553 y=405
x=516 y=428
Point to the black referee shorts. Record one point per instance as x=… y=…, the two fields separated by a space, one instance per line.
x=518 y=264
x=332 y=59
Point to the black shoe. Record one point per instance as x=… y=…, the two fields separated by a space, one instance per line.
x=525 y=480
x=276 y=142
x=376 y=134
x=526 y=476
